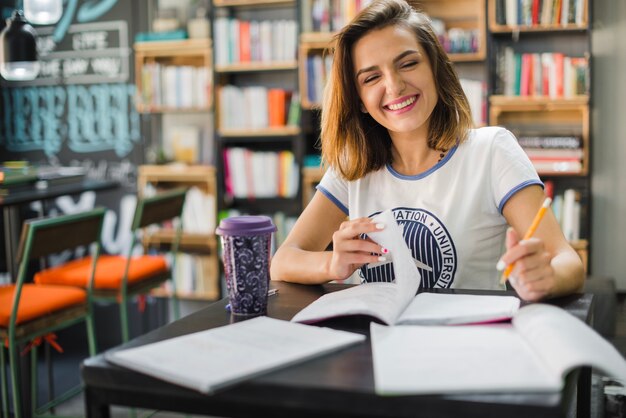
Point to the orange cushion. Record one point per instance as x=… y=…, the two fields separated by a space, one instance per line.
x=37 y=301
x=109 y=271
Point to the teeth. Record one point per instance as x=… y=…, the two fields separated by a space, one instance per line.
x=398 y=106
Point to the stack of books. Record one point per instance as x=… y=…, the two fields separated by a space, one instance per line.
x=554 y=154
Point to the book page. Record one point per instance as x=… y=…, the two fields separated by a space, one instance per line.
x=448 y=309
x=565 y=342
x=461 y=359
x=379 y=300
x=383 y=301
x=212 y=359
x=407 y=277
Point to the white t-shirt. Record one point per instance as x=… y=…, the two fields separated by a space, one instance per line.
x=451 y=215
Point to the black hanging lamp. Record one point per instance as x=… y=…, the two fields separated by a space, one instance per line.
x=18 y=49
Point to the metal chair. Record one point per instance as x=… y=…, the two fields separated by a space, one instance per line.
x=117 y=277
x=30 y=312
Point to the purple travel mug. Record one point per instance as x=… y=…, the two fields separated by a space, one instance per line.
x=246 y=252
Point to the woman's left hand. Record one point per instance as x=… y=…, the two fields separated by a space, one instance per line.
x=532 y=276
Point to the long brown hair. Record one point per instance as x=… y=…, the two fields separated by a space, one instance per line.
x=353 y=143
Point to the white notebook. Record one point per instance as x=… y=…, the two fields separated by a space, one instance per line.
x=215 y=358
x=533 y=354
x=454 y=309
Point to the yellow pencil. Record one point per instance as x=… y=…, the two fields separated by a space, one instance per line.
x=531 y=230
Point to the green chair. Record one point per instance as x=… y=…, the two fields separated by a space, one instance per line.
x=30 y=312
x=118 y=277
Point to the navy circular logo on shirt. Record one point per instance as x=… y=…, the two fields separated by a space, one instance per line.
x=430 y=244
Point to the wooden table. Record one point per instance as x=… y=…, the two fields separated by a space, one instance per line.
x=340 y=384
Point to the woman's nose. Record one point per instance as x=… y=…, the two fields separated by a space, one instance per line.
x=395 y=84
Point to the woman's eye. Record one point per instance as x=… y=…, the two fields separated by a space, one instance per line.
x=409 y=64
x=369 y=79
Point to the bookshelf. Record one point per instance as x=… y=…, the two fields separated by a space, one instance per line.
x=174 y=81
x=539 y=85
x=156 y=61
x=201 y=248
x=258 y=145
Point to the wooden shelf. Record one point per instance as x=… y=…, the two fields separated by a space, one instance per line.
x=463 y=14
x=504 y=29
x=188 y=52
x=247 y=67
x=548 y=115
x=319 y=40
x=202 y=176
x=189 y=242
x=283 y=131
x=158 y=109
x=203 y=245
x=467 y=57
x=189 y=47
x=547 y=103
x=239 y=3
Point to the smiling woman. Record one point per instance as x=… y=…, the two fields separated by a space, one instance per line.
x=396 y=134
x=397 y=89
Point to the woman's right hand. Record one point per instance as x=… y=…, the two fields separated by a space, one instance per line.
x=350 y=251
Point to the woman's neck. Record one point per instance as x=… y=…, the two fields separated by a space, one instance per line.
x=412 y=155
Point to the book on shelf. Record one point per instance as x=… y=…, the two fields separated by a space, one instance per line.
x=532 y=354
x=570 y=216
x=294 y=110
x=277 y=100
x=554 y=153
x=250 y=41
x=329 y=15
x=199 y=212
x=260 y=174
x=207 y=361
x=253 y=107
x=540 y=12
x=317 y=69
x=554 y=166
x=555 y=142
x=396 y=302
x=194 y=274
x=175 y=86
x=567 y=207
x=475 y=92
x=456 y=40
x=184 y=143
x=541 y=74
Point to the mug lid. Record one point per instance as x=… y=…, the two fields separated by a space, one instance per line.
x=246 y=225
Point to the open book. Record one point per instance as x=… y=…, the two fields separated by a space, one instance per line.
x=219 y=357
x=532 y=354
x=396 y=303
